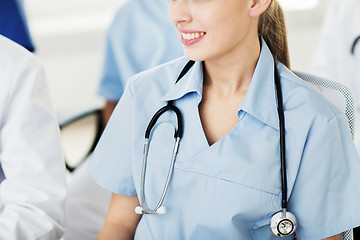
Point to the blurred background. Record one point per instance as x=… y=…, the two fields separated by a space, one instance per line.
x=69 y=36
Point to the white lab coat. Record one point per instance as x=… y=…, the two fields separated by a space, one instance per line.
x=333 y=59
x=33 y=189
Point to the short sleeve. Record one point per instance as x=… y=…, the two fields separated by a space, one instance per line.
x=111 y=86
x=123 y=55
x=110 y=164
x=326 y=193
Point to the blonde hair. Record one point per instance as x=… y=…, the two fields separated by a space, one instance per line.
x=273 y=30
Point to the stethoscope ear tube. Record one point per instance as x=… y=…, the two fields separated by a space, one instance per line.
x=187 y=67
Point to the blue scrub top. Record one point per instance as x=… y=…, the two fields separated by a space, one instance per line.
x=231 y=189
x=141 y=36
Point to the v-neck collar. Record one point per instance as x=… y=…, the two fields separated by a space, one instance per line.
x=260 y=100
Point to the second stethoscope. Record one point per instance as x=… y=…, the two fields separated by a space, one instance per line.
x=353 y=45
x=282 y=224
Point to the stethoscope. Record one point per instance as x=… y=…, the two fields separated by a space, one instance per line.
x=352 y=50
x=282 y=224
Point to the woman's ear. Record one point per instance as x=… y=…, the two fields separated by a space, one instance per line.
x=257 y=7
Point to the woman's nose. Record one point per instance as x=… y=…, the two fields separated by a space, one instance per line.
x=179 y=12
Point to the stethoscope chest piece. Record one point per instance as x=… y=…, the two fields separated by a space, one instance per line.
x=283 y=224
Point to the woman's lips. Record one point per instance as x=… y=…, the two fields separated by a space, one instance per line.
x=189 y=38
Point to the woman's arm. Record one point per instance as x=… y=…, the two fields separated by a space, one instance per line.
x=121 y=220
x=336 y=237
x=107 y=110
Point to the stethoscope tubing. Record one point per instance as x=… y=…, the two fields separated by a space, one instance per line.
x=179 y=133
x=169 y=107
x=282 y=139
x=352 y=50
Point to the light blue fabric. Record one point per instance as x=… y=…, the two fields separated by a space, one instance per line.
x=231 y=189
x=141 y=36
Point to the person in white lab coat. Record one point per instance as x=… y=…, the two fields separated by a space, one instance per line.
x=338 y=53
x=32 y=173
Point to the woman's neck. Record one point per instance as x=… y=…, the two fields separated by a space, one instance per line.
x=231 y=74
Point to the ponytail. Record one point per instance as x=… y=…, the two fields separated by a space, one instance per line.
x=273 y=30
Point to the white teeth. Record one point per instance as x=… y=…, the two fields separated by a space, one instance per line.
x=192 y=36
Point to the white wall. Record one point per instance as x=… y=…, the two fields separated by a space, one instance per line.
x=69 y=36
x=303 y=34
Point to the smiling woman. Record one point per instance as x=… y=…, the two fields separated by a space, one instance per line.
x=226 y=177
